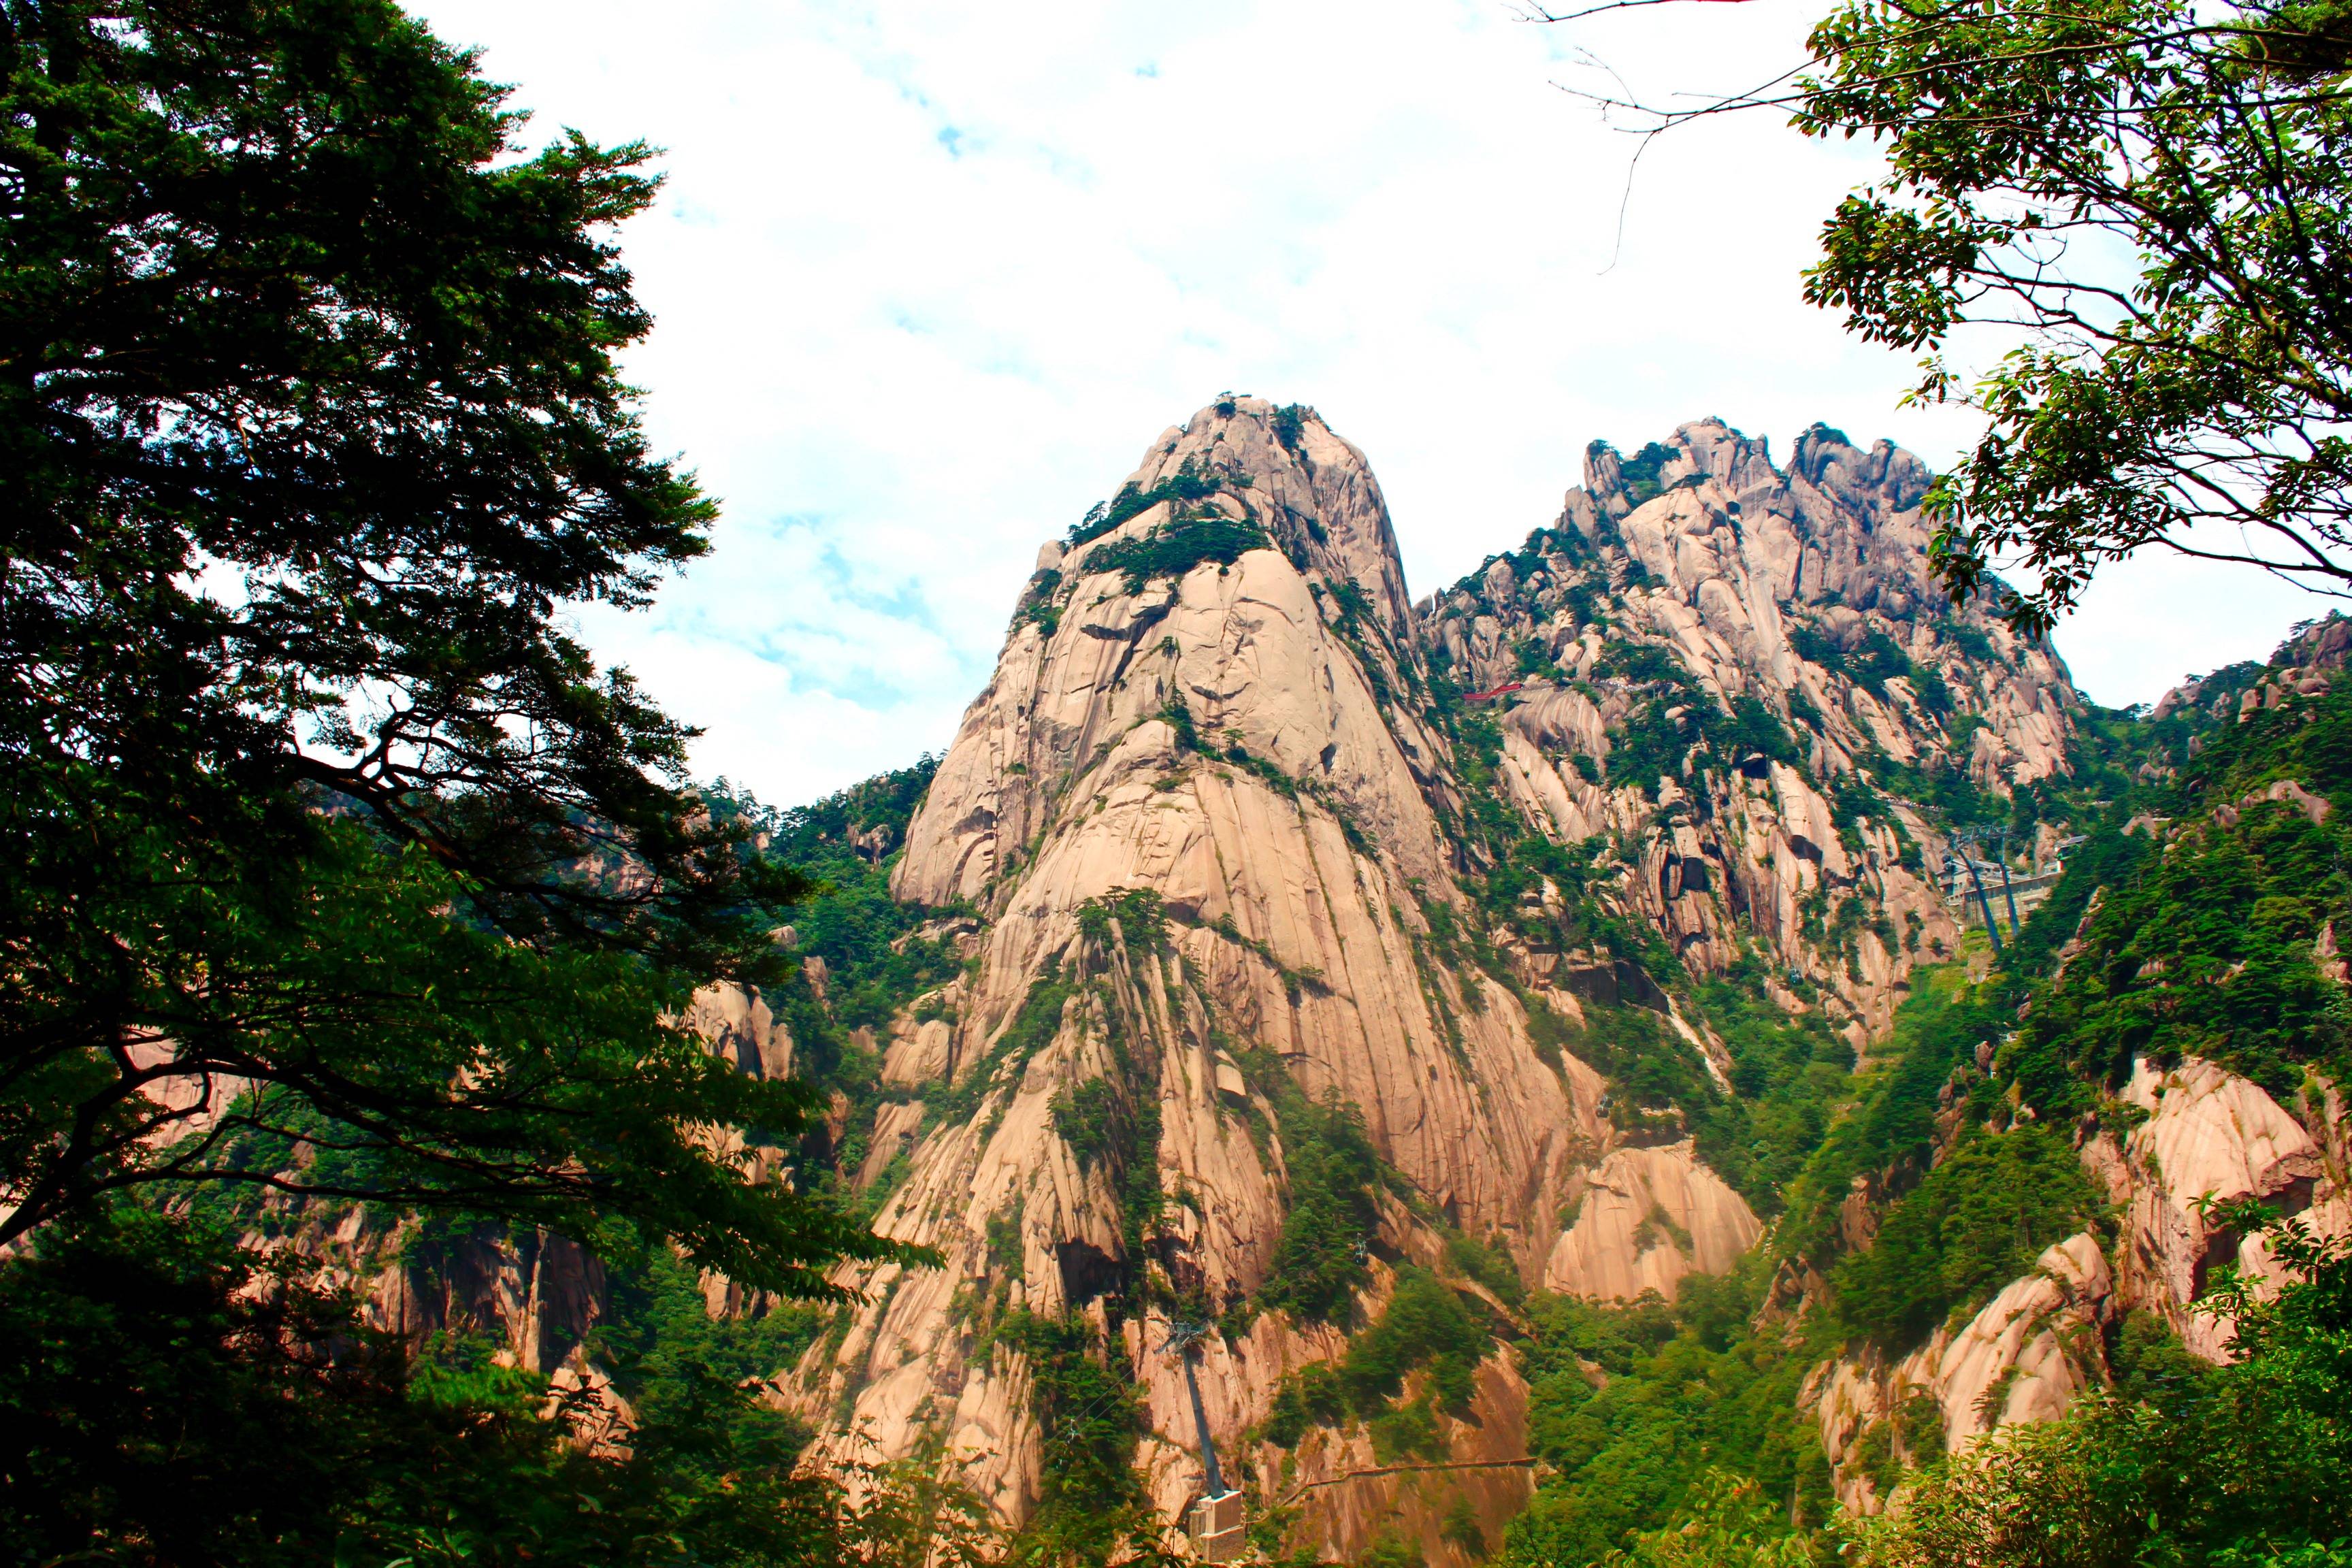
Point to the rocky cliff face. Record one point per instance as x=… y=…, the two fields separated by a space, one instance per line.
x=1197 y=815
x=2212 y=1136
x=1781 y=630
x=1224 y=843
x=2208 y=1136
x=2242 y=764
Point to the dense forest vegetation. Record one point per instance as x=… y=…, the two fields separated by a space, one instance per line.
x=352 y=908
x=1691 y=1447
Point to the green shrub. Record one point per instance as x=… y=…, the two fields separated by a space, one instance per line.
x=1289 y=427
x=1631 y=1407
x=1088 y=1119
x=663 y=1347
x=1788 y=1073
x=1889 y=1131
x=1175 y=547
x=1648 y=1067
x=1487 y=1262
x=1423 y=1326
x=1729 y=1522
x=1090 y=1502
x=2242 y=1464
x=1320 y=1261
x=1311 y=1396
x=1641 y=471
x=2206 y=950
x=1879 y=660
x=1188 y=484
x=1970 y=640
x=1639 y=662
x=1038 y=604
x=1032 y=1028
x=1355 y=609
x=1976 y=1222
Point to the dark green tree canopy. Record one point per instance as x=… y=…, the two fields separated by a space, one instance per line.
x=168 y=1400
x=2159 y=195
x=308 y=406
x=337 y=867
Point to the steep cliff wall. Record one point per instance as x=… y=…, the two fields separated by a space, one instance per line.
x=1234 y=840
x=1198 y=810
x=1781 y=632
x=2182 y=1030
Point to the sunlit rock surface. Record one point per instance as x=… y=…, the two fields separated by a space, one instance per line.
x=1250 y=741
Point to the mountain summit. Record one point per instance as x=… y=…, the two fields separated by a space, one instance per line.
x=1685 y=1017
x=1332 y=960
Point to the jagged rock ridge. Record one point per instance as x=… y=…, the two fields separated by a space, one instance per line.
x=1215 y=849
x=1802 y=598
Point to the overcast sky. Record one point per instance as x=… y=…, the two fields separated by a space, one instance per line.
x=929 y=279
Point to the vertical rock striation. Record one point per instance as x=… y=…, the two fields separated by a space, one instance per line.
x=1215 y=837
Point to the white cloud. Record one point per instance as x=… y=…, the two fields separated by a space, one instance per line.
x=929 y=279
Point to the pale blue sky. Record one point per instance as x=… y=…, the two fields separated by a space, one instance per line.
x=927 y=281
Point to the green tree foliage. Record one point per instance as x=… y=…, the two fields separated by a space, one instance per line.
x=400 y=1058
x=1975 y=1223
x=875 y=955
x=2241 y=1463
x=1630 y=1406
x=1091 y=1507
x=1730 y=1523
x=343 y=878
x=2187 y=359
x=1319 y=1260
x=1788 y=1075
x=1173 y=548
x=1423 y=1329
x=1635 y=1408
x=664 y=1351
x=1641 y=471
x=1188 y=483
x=1878 y=660
x=167 y=1398
x=2225 y=972
x=2105 y=858
x=1034 y=1024
x=2206 y=945
x=1488 y=1262
x=314 y=431
x=1651 y=1072
x=1888 y=1130
x=1111 y=1124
